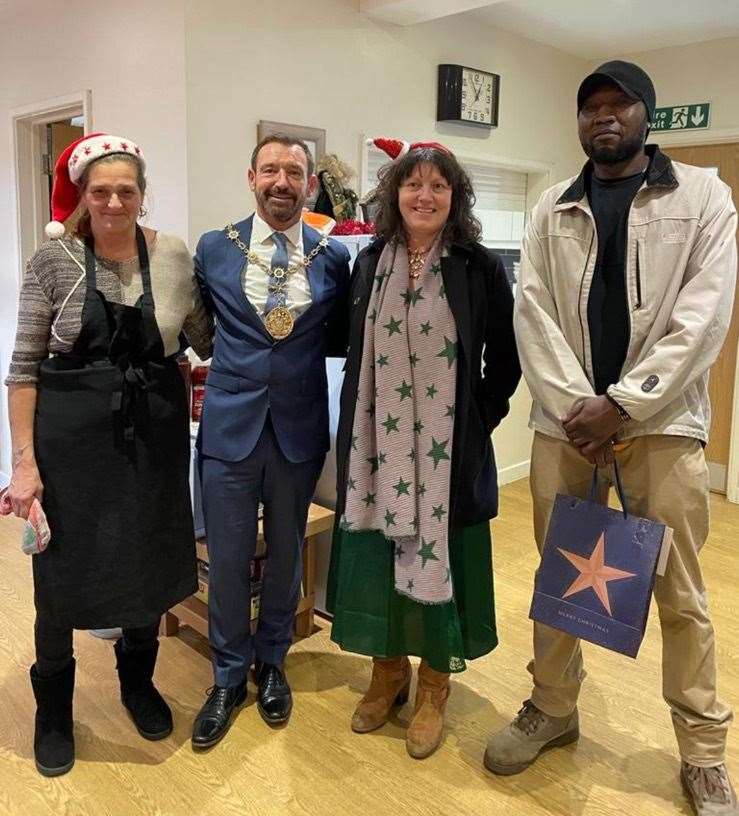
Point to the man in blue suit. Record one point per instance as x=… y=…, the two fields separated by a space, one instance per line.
x=279 y=292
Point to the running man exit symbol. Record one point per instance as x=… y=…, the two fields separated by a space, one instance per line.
x=683 y=117
x=679 y=115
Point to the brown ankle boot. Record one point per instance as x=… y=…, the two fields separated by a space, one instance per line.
x=390 y=685
x=427 y=726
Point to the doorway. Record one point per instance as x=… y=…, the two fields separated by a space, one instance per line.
x=725 y=159
x=41 y=131
x=58 y=136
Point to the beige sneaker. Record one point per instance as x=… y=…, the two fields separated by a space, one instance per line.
x=513 y=749
x=709 y=790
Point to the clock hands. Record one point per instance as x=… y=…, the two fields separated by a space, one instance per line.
x=475 y=88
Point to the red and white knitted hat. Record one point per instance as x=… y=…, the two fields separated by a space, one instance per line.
x=396 y=148
x=71 y=164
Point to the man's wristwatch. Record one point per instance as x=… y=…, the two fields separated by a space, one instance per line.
x=622 y=413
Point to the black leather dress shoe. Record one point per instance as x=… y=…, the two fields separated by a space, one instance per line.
x=274 y=698
x=214 y=718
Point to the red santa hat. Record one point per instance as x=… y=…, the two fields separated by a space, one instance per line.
x=71 y=164
x=396 y=148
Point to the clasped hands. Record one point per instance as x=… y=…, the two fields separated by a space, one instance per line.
x=590 y=426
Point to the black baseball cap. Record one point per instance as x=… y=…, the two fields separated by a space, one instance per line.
x=632 y=80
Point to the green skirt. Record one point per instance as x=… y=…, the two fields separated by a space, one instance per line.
x=371 y=618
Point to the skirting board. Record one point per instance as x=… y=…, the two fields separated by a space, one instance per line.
x=716 y=477
x=513 y=473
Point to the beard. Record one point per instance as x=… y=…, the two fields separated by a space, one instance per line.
x=626 y=149
x=282 y=210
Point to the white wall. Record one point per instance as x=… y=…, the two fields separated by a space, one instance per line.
x=323 y=64
x=132 y=58
x=702 y=72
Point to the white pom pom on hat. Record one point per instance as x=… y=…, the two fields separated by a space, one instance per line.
x=54 y=230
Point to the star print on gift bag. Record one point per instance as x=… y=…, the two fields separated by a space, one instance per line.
x=593 y=573
x=597 y=571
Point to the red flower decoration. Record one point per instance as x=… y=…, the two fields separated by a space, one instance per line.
x=75 y=159
x=124 y=146
x=106 y=146
x=352 y=227
x=88 y=150
x=137 y=150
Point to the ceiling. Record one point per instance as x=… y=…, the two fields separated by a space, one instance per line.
x=591 y=29
x=598 y=29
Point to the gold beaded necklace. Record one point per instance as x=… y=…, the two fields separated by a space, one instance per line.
x=416 y=260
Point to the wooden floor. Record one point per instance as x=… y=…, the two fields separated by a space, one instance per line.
x=625 y=762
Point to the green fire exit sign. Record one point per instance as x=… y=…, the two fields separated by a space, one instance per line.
x=682 y=117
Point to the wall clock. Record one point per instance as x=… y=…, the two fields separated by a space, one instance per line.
x=467 y=95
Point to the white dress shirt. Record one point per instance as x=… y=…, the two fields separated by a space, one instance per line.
x=255 y=279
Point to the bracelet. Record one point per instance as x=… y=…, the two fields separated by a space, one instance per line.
x=623 y=415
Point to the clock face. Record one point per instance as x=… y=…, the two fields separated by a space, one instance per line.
x=477 y=97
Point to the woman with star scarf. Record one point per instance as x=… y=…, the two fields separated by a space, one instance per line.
x=431 y=368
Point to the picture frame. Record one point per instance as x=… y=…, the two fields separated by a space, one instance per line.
x=315 y=138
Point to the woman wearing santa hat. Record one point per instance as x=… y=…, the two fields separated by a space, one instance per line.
x=431 y=367
x=99 y=425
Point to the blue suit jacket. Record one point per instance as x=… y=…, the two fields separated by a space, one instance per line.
x=251 y=373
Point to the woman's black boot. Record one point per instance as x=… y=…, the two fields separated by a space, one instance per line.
x=151 y=715
x=53 y=740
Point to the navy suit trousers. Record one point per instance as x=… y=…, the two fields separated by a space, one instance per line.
x=231 y=495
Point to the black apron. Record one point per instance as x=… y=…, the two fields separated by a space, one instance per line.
x=113 y=448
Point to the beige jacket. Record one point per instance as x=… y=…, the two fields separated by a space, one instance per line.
x=680 y=274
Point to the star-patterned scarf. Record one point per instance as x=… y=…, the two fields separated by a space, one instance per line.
x=400 y=460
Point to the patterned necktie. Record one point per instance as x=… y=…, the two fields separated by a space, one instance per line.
x=279 y=259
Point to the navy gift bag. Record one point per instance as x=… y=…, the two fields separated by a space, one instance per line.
x=597 y=571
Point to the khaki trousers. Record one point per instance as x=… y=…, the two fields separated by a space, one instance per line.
x=665 y=478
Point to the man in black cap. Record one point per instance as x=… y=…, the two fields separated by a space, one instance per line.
x=624 y=300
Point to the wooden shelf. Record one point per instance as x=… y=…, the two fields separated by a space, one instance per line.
x=193 y=612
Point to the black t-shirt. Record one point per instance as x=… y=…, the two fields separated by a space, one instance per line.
x=608 y=309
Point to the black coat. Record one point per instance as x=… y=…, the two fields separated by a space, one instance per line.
x=488 y=372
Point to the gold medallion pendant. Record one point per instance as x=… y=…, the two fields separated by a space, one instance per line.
x=279 y=322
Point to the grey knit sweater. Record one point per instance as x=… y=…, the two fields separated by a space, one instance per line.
x=51 y=275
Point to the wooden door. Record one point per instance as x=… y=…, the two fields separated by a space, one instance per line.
x=724 y=157
x=62 y=134
x=59 y=135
